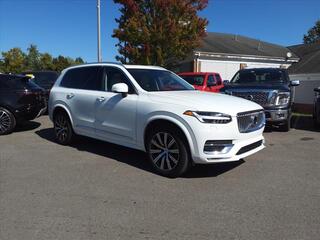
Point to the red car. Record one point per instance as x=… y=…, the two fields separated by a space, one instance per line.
x=203 y=81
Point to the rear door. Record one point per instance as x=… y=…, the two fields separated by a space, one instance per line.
x=81 y=89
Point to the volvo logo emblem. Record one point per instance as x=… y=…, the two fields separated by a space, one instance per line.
x=249 y=97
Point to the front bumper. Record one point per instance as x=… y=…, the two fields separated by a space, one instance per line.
x=30 y=112
x=277 y=115
x=238 y=145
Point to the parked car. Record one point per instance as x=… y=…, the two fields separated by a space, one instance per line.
x=20 y=100
x=153 y=110
x=269 y=87
x=203 y=81
x=44 y=79
x=316 y=111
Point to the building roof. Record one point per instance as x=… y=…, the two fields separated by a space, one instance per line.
x=309 y=55
x=240 y=45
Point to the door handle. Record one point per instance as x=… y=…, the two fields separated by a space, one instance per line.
x=101 y=99
x=70 y=95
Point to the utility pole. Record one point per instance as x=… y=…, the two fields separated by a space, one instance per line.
x=99 y=31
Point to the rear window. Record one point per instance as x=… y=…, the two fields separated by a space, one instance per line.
x=194 y=79
x=88 y=78
x=16 y=82
x=44 y=79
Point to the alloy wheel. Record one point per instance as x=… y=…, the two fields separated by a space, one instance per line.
x=164 y=151
x=61 y=128
x=5 y=121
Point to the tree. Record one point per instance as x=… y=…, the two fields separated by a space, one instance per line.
x=159 y=32
x=313 y=34
x=13 y=61
x=33 y=58
x=16 y=61
x=46 y=62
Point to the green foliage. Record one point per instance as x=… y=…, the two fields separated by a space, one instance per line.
x=16 y=61
x=13 y=61
x=313 y=34
x=158 y=32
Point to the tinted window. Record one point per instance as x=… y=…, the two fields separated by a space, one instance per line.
x=194 y=79
x=16 y=82
x=44 y=79
x=113 y=76
x=88 y=78
x=211 y=81
x=218 y=78
x=259 y=76
x=159 y=80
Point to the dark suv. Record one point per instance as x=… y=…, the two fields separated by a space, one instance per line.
x=20 y=100
x=44 y=79
x=269 y=87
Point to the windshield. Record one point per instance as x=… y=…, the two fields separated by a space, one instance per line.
x=194 y=79
x=44 y=79
x=159 y=80
x=259 y=76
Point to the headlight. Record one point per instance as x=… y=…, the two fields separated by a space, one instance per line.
x=209 y=117
x=282 y=99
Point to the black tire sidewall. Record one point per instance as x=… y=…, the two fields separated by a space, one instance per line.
x=184 y=159
x=70 y=134
x=13 y=121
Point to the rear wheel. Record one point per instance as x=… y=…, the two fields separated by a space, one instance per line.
x=168 y=152
x=62 y=128
x=7 y=121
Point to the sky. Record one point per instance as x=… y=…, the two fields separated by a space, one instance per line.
x=68 y=27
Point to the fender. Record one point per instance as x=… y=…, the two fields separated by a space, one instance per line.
x=65 y=108
x=177 y=120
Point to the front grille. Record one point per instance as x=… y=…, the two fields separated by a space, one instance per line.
x=249 y=147
x=259 y=97
x=250 y=121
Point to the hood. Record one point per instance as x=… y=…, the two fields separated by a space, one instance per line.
x=204 y=101
x=258 y=86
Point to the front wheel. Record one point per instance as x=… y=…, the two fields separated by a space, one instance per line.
x=7 y=121
x=168 y=152
x=63 y=128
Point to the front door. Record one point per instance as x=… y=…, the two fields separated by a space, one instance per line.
x=115 y=113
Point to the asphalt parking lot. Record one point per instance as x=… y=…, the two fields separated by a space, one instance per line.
x=96 y=190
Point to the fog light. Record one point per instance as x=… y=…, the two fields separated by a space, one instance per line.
x=217 y=146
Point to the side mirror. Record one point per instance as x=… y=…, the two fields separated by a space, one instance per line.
x=120 y=88
x=294 y=83
x=317 y=89
x=226 y=81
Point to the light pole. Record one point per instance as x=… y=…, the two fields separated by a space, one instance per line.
x=98 y=30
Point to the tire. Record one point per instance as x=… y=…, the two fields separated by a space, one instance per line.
x=7 y=121
x=63 y=130
x=168 y=152
x=286 y=126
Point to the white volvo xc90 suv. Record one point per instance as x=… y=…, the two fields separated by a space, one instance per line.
x=153 y=110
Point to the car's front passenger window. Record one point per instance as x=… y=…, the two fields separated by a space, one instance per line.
x=114 y=76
